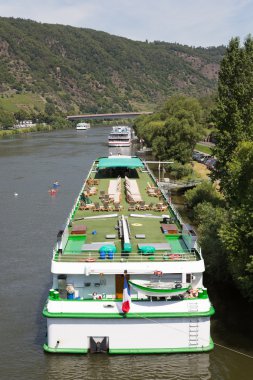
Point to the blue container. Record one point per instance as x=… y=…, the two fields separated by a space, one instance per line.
x=94 y=232
x=110 y=255
x=102 y=255
x=70 y=296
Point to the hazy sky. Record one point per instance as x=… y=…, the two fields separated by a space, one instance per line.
x=191 y=22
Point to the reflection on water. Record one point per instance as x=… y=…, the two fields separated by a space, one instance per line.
x=148 y=367
x=122 y=151
x=29 y=224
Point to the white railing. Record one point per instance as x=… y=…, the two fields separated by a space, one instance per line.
x=173 y=209
x=187 y=255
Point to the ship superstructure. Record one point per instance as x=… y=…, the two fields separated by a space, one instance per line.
x=120 y=136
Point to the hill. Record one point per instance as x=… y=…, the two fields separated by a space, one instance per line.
x=83 y=70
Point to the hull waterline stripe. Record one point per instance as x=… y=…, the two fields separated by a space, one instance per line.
x=130 y=351
x=162 y=350
x=65 y=350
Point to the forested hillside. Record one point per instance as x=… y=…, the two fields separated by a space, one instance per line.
x=83 y=70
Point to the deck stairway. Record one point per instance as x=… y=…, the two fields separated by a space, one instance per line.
x=193 y=325
x=193 y=333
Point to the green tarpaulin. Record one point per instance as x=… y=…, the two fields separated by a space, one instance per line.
x=120 y=162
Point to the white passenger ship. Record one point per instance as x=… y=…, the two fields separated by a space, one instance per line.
x=82 y=126
x=127 y=271
x=120 y=136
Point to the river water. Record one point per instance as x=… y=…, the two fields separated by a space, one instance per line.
x=29 y=224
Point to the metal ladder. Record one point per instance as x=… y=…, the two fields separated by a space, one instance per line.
x=193 y=326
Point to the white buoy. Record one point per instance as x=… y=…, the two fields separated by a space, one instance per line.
x=15 y=194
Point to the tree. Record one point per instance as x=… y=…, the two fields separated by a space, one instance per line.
x=49 y=109
x=234 y=151
x=210 y=219
x=239 y=189
x=159 y=147
x=210 y=215
x=7 y=120
x=21 y=115
x=146 y=127
x=204 y=192
x=173 y=132
x=237 y=232
x=234 y=111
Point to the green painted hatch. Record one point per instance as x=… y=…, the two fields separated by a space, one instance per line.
x=74 y=244
x=177 y=244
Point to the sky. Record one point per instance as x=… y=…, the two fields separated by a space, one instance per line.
x=190 y=22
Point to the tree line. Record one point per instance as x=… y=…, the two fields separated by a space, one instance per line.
x=221 y=208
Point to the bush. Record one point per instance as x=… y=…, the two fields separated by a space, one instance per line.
x=178 y=170
x=210 y=220
x=205 y=192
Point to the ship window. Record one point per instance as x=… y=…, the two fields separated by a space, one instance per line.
x=188 y=277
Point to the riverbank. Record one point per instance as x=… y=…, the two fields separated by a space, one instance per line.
x=201 y=170
x=233 y=312
x=9 y=133
x=232 y=324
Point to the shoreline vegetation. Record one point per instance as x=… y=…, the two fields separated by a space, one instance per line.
x=219 y=207
x=9 y=133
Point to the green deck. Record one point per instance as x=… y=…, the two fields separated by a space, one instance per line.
x=74 y=244
x=97 y=229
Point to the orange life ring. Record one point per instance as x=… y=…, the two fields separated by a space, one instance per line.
x=158 y=273
x=174 y=257
x=90 y=259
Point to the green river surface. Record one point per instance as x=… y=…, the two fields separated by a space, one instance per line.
x=29 y=224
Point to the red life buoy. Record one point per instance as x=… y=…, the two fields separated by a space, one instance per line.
x=174 y=257
x=90 y=259
x=158 y=273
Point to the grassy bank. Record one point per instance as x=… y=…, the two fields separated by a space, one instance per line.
x=8 y=133
x=203 y=148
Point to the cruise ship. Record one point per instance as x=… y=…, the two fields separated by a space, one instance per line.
x=120 y=136
x=127 y=271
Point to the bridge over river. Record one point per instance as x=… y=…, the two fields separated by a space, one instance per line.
x=107 y=116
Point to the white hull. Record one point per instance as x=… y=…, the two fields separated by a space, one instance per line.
x=119 y=143
x=183 y=326
x=82 y=126
x=130 y=335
